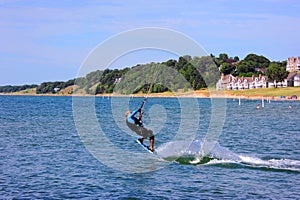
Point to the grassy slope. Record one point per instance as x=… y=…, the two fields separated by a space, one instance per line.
x=276 y=92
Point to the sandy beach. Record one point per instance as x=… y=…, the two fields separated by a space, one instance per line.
x=267 y=94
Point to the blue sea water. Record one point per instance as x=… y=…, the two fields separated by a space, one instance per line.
x=50 y=148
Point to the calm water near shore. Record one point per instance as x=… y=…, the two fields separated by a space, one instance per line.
x=44 y=154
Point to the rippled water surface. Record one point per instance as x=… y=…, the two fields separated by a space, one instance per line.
x=49 y=151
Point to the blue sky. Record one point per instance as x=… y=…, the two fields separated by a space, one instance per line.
x=47 y=40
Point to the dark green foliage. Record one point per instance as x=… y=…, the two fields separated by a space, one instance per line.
x=159 y=88
x=185 y=74
x=69 y=83
x=9 y=88
x=108 y=79
x=257 y=61
x=227 y=68
x=223 y=57
x=236 y=59
x=245 y=67
x=48 y=87
x=170 y=63
x=277 y=71
x=100 y=89
x=251 y=65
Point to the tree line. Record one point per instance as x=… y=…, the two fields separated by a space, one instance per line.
x=49 y=87
x=10 y=88
x=185 y=73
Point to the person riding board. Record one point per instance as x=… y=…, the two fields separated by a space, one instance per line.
x=136 y=125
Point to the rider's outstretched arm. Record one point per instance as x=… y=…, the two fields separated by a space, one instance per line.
x=131 y=117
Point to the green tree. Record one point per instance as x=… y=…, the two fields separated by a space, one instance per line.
x=276 y=71
x=183 y=60
x=100 y=89
x=223 y=57
x=257 y=61
x=170 y=63
x=227 y=68
x=236 y=58
x=9 y=88
x=245 y=67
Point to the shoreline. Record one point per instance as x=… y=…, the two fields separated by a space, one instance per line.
x=195 y=94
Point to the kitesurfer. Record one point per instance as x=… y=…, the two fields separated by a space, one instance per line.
x=136 y=125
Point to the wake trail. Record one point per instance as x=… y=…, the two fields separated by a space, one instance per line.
x=194 y=153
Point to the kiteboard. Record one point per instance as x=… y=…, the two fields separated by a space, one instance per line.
x=144 y=146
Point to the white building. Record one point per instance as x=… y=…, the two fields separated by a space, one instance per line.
x=230 y=82
x=56 y=89
x=293 y=64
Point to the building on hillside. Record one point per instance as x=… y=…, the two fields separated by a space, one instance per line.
x=293 y=79
x=117 y=80
x=230 y=82
x=56 y=89
x=293 y=64
x=297 y=80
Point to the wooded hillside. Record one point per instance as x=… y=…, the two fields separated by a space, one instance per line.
x=185 y=73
